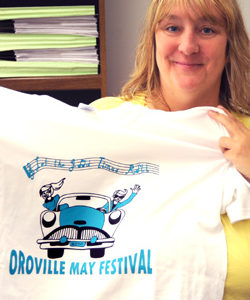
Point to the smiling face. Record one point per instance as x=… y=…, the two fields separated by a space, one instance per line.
x=190 y=55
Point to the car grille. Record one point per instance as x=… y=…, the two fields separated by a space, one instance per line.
x=87 y=234
x=72 y=232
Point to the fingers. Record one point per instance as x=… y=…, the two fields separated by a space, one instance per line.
x=228 y=121
x=226 y=111
x=225 y=143
x=230 y=151
x=236 y=147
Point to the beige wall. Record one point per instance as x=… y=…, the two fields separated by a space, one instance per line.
x=245 y=7
x=123 y=19
x=123 y=22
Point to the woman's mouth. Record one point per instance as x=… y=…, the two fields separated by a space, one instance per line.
x=188 y=65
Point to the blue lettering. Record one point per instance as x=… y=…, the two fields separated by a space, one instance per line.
x=150 y=270
x=73 y=165
x=29 y=172
x=74 y=268
x=141 y=168
x=131 y=169
x=82 y=164
x=21 y=262
x=29 y=265
x=107 y=267
x=45 y=163
x=40 y=163
x=99 y=165
x=126 y=265
x=84 y=269
x=55 y=268
x=37 y=164
x=106 y=166
x=120 y=265
x=58 y=163
x=142 y=265
x=62 y=267
x=44 y=266
x=132 y=263
x=13 y=262
x=21 y=265
x=38 y=265
x=113 y=267
x=91 y=266
x=101 y=267
x=49 y=269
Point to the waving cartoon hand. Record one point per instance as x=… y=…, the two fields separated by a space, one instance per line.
x=136 y=189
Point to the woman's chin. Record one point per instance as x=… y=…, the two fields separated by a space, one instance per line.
x=189 y=85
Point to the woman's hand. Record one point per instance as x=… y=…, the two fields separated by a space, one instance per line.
x=235 y=148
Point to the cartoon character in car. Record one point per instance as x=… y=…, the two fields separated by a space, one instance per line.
x=83 y=221
x=47 y=193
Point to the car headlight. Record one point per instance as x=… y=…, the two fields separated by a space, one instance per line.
x=48 y=219
x=115 y=217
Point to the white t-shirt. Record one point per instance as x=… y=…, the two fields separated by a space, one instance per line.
x=118 y=204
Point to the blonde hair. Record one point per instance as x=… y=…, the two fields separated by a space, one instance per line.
x=234 y=90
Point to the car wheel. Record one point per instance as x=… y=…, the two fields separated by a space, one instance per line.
x=97 y=253
x=55 y=253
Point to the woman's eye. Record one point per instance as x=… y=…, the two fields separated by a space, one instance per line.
x=172 y=28
x=207 y=30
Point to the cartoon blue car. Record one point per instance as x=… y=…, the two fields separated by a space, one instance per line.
x=81 y=221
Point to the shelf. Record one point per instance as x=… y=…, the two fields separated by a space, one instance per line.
x=60 y=83
x=53 y=83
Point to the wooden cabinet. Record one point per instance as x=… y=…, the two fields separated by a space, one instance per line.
x=64 y=83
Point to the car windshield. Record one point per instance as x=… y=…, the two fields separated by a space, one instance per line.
x=84 y=199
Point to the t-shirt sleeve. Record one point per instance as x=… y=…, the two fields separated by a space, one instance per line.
x=106 y=103
x=236 y=196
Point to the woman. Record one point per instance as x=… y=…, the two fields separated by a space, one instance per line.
x=196 y=53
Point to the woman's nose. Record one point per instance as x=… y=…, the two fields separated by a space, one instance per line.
x=188 y=43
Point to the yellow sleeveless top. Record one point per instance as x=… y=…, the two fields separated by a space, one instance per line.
x=237 y=285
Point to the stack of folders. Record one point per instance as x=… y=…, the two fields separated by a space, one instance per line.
x=48 y=41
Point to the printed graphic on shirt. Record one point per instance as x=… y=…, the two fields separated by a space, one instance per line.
x=81 y=221
x=134 y=263
x=83 y=164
